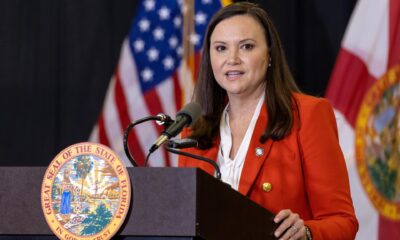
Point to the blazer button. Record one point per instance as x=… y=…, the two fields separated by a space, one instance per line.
x=266 y=187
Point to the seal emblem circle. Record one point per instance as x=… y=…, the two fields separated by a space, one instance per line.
x=85 y=192
x=378 y=144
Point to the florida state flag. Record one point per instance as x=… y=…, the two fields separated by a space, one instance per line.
x=365 y=92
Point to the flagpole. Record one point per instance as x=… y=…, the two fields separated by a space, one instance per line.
x=188 y=56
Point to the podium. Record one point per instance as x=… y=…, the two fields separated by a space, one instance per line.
x=166 y=203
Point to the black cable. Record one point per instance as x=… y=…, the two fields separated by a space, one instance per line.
x=126 y=135
x=213 y=163
x=147 y=158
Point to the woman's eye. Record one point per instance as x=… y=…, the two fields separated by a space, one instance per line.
x=220 y=48
x=247 y=46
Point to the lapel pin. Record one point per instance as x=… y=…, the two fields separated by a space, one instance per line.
x=259 y=152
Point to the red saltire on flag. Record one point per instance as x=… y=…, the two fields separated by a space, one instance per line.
x=154 y=74
x=365 y=92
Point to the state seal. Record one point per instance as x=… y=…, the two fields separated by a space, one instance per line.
x=85 y=192
x=378 y=144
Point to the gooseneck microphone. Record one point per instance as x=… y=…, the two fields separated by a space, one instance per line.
x=185 y=117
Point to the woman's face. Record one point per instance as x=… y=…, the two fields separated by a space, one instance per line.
x=239 y=56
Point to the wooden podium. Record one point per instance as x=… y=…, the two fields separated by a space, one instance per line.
x=167 y=203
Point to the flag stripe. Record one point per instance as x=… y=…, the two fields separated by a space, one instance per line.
x=112 y=126
x=153 y=104
x=102 y=137
x=152 y=101
x=394 y=16
x=125 y=120
x=350 y=81
x=370 y=46
x=177 y=91
x=169 y=106
x=166 y=97
x=367 y=216
x=388 y=229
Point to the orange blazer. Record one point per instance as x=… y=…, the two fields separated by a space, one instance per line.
x=306 y=171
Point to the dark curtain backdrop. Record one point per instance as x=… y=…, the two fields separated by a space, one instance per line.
x=57 y=57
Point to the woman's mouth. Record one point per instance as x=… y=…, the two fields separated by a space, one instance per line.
x=233 y=74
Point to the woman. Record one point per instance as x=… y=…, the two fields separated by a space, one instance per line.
x=273 y=144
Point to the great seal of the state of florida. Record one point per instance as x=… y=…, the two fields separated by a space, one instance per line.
x=86 y=192
x=378 y=144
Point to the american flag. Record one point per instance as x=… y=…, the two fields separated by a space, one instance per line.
x=155 y=74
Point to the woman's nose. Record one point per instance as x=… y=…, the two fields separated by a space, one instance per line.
x=233 y=57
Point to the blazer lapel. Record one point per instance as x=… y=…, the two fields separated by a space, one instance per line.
x=256 y=154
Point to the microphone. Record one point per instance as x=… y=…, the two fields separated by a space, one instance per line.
x=185 y=117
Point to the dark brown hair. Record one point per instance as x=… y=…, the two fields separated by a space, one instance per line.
x=280 y=84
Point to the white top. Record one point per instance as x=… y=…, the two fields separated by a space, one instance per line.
x=231 y=169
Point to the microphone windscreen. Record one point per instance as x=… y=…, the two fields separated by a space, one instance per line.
x=193 y=110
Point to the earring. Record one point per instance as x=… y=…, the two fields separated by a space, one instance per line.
x=270 y=60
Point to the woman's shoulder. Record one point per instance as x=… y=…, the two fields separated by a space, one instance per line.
x=308 y=104
x=306 y=99
x=314 y=112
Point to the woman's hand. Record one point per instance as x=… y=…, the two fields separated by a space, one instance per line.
x=291 y=225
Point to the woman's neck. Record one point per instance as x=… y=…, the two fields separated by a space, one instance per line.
x=240 y=107
x=241 y=111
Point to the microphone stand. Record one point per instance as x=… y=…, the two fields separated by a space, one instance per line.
x=213 y=163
